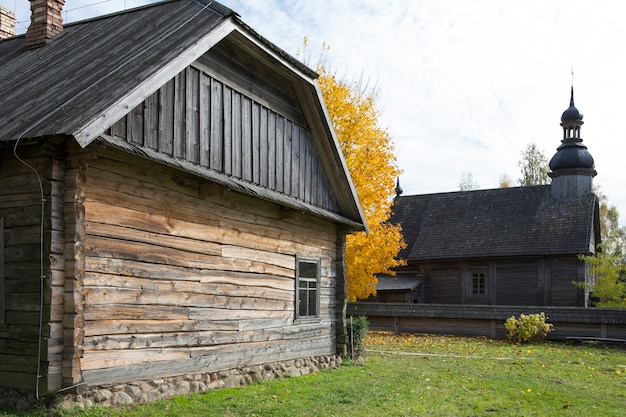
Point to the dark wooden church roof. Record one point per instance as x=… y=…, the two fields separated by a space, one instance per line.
x=518 y=221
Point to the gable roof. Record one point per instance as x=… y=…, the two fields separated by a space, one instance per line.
x=518 y=221
x=96 y=71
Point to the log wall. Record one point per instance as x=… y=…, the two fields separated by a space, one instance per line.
x=179 y=280
x=546 y=280
x=27 y=260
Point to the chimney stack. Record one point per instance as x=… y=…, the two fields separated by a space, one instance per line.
x=46 y=21
x=7 y=23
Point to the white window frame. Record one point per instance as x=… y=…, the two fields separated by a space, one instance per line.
x=308 y=284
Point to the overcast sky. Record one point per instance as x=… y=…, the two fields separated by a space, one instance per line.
x=463 y=86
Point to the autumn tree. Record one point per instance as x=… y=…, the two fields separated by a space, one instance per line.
x=369 y=153
x=534 y=167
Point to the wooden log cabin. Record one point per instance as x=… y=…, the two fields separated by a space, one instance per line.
x=173 y=200
x=508 y=246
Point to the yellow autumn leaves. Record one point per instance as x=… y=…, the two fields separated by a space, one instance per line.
x=369 y=153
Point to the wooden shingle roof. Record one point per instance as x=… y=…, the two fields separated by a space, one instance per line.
x=63 y=87
x=518 y=221
x=96 y=71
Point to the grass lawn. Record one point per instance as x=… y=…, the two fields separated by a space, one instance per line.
x=419 y=375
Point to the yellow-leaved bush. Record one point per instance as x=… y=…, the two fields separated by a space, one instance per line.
x=368 y=151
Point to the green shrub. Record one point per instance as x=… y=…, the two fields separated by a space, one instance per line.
x=528 y=328
x=357 y=328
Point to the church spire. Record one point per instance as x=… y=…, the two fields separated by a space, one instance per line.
x=572 y=165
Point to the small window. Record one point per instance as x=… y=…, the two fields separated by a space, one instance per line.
x=307 y=288
x=478 y=283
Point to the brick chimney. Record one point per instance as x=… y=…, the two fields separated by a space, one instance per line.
x=46 y=21
x=7 y=23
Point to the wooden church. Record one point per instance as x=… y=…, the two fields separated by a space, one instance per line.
x=507 y=246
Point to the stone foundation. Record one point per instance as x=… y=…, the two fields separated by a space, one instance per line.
x=143 y=391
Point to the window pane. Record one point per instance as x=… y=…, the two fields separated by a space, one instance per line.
x=308 y=269
x=307 y=288
x=302 y=303
x=312 y=303
x=478 y=283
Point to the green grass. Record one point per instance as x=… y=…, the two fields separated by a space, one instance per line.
x=415 y=375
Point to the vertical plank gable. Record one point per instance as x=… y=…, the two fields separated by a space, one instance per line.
x=166 y=119
x=199 y=119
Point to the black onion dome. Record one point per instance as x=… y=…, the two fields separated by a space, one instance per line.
x=572 y=114
x=572 y=154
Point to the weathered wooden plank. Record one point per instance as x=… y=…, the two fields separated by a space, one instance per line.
x=119 y=128
x=297 y=163
x=216 y=133
x=168 y=241
x=255 y=133
x=205 y=115
x=266 y=256
x=263 y=168
x=115 y=312
x=96 y=331
x=180 y=106
x=156 y=223
x=237 y=127
x=192 y=117
x=146 y=296
x=271 y=161
x=288 y=158
x=280 y=154
x=151 y=121
x=135 y=132
x=246 y=139
x=166 y=118
x=96 y=265
x=116 y=358
x=230 y=289
x=278 y=330
x=228 y=133
x=307 y=178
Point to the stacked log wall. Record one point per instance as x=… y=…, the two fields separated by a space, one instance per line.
x=179 y=281
x=27 y=261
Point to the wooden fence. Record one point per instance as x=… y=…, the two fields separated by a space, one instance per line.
x=488 y=320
